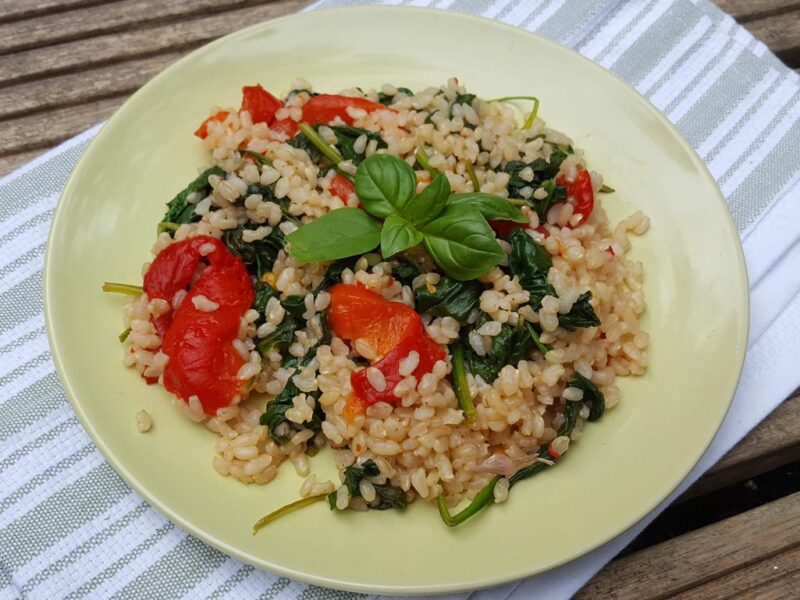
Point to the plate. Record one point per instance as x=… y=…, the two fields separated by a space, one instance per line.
x=695 y=284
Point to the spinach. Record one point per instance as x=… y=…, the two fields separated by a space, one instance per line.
x=297 y=91
x=457 y=237
x=460 y=384
x=591 y=395
x=302 y=142
x=509 y=347
x=341 y=233
x=571 y=412
x=530 y=263
x=404 y=273
x=542 y=170
x=462 y=99
x=450 y=298
x=258 y=256
x=285 y=510
x=334 y=273
x=543 y=348
x=179 y=209
x=280 y=339
x=295 y=305
x=346 y=137
x=275 y=413
x=387 y=99
x=264 y=292
x=581 y=315
x=555 y=194
x=386 y=496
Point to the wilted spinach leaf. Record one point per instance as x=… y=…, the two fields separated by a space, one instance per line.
x=510 y=346
x=591 y=395
x=346 y=137
x=179 y=210
x=450 y=298
x=280 y=339
x=530 y=262
x=258 y=256
x=462 y=99
x=387 y=100
x=581 y=315
x=542 y=170
x=386 y=495
x=404 y=273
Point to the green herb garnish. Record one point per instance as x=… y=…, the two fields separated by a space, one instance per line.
x=122 y=288
x=452 y=228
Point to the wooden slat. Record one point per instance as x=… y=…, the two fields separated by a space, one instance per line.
x=106 y=18
x=77 y=88
x=758 y=580
x=15 y=10
x=702 y=556
x=140 y=41
x=13 y=161
x=38 y=132
x=781 y=33
x=748 y=10
x=774 y=443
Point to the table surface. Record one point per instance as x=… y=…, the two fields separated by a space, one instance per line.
x=67 y=64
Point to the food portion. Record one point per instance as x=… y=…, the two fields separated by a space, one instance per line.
x=422 y=283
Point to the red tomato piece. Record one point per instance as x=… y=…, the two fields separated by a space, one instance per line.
x=202 y=131
x=202 y=359
x=580 y=190
x=324 y=108
x=341 y=187
x=285 y=126
x=504 y=228
x=355 y=312
x=429 y=352
x=261 y=105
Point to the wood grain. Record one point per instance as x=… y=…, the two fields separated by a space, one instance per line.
x=14 y=10
x=749 y=10
x=702 y=557
x=139 y=42
x=774 y=443
x=781 y=33
x=106 y=18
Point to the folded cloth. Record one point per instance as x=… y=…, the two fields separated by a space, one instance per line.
x=734 y=101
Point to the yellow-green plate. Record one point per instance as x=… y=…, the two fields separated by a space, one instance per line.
x=624 y=466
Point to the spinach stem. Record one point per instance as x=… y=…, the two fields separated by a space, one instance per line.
x=422 y=159
x=327 y=150
x=122 y=288
x=476 y=187
x=607 y=189
x=257 y=157
x=460 y=386
x=531 y=117
x=124 y=335
x=543 y=348
x=484 y=497
x=285 y=510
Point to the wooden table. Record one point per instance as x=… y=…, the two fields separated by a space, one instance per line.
x=67 y=64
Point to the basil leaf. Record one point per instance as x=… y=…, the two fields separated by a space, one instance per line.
x=398 y=235
x=429 y=203
x=385 y=184
x=493 y=208
x=462 y=243
x=341 y=233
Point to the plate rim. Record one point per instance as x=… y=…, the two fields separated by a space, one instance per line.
x=325 y=581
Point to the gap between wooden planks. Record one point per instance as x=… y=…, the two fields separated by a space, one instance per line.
x=754 y=554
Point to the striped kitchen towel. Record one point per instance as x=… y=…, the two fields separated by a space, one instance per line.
x=71 y=528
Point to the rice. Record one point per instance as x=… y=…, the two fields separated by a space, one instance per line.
x=423 y=444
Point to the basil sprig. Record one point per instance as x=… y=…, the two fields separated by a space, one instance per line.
x=453 y=228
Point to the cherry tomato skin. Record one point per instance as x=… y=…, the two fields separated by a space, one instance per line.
x=286 y=126
x=355 y=312
x=202 y=131
x=504 y=228
x=202 y=359
x=324 y=108
x=342 y=188
x=429 y=352
x=261 y=105
x=581 y=192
